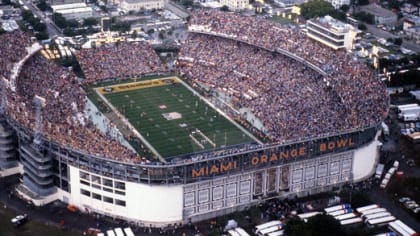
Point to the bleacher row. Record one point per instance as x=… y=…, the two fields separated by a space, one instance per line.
x=64 y=118
x=239 y=55
x=350 y=97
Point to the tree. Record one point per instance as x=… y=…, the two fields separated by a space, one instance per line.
x=365 y=17
x=72 y=23
x=297 y=227
x=362 y=2
x=43 y=6
x=345 y=8
x=161 y=35
x=6 y=2
x=321 y=225
x=2 y=31
x=394 y=4
x=134 y=35
x=339 y=15
x=26 y=15
x=224 y=8
x=187 y=3
x=398 y=41
x=59 y=20
x=316 y=8
x=69 y=32
x=40 y=26
x=361 y=26
x=150 y=31
x=90 y=21
x=42 y=35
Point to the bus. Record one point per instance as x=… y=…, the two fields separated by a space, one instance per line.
x=401 y=229
x=277 y=233
x=305 y=216
x=110 y=232
x=272 y=229
x=386 y=234
x=340 y=212
x=376 y=215
x=119 y=232
x=336 y=208
x=373 y=211
x=365 y=208
x=241 y=232
x=351 y=221
x=128 y=231
x=346 y=216
x=269 y=224
x=402 y=107
x=380 y=221
x=232 y=232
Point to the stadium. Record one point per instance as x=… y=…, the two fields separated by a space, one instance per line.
x=254 y=110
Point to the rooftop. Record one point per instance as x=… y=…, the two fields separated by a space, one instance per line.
x=139 y=1
x=377 y=10
x=333 y=24
x=68 y=6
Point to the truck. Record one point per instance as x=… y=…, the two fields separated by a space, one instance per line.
x=379 y=170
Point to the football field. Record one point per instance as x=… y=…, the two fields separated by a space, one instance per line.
x=172 y=118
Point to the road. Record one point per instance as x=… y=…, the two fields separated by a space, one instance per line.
x=388 y=199
x=51 y=27
x=379 y=33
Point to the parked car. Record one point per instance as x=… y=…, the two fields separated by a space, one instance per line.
x=404 y=199
x=19 y=220
x=416 y=210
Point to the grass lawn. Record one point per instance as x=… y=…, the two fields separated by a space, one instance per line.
x=190 y=124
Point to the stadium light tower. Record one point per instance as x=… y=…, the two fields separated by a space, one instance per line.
x=39 y=104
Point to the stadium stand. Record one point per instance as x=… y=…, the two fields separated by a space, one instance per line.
x=352 y=96
x=119 y=60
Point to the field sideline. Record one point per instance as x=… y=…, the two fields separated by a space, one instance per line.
x=172 y=118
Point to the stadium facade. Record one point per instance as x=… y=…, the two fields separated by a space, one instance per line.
x=192 y=189
x=159 y=195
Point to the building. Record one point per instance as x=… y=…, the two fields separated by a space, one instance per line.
x=413 y=33
x=194 y=187
x=61 y=2
x=338 y=3
x=410 y=22
x=73 y=10
x=331 y=32
x=138 y=5
x=382 y=15
x=235 y=5
x=409 y=8
x=411 y=28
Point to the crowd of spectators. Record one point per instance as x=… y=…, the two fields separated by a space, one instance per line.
x=239 y=55
x=233 y=54
x=63 y=113
x=10 y=54
x=119 y=60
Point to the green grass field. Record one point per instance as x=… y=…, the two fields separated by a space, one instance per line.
x=144 y=109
